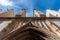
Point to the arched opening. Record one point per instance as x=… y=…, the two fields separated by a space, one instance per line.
x=30 y=34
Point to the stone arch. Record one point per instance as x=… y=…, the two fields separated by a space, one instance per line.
x=27 y=34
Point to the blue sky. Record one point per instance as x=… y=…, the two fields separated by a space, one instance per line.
x=29 y=5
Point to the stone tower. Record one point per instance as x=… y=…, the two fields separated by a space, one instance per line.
x=22 y=13
x=8 y=13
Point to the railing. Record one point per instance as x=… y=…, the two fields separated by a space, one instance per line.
x=32 y=18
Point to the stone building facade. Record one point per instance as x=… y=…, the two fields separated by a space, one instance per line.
x=20 y=27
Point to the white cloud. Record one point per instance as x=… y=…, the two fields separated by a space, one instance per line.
x=26 y=3
x=6 y=3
